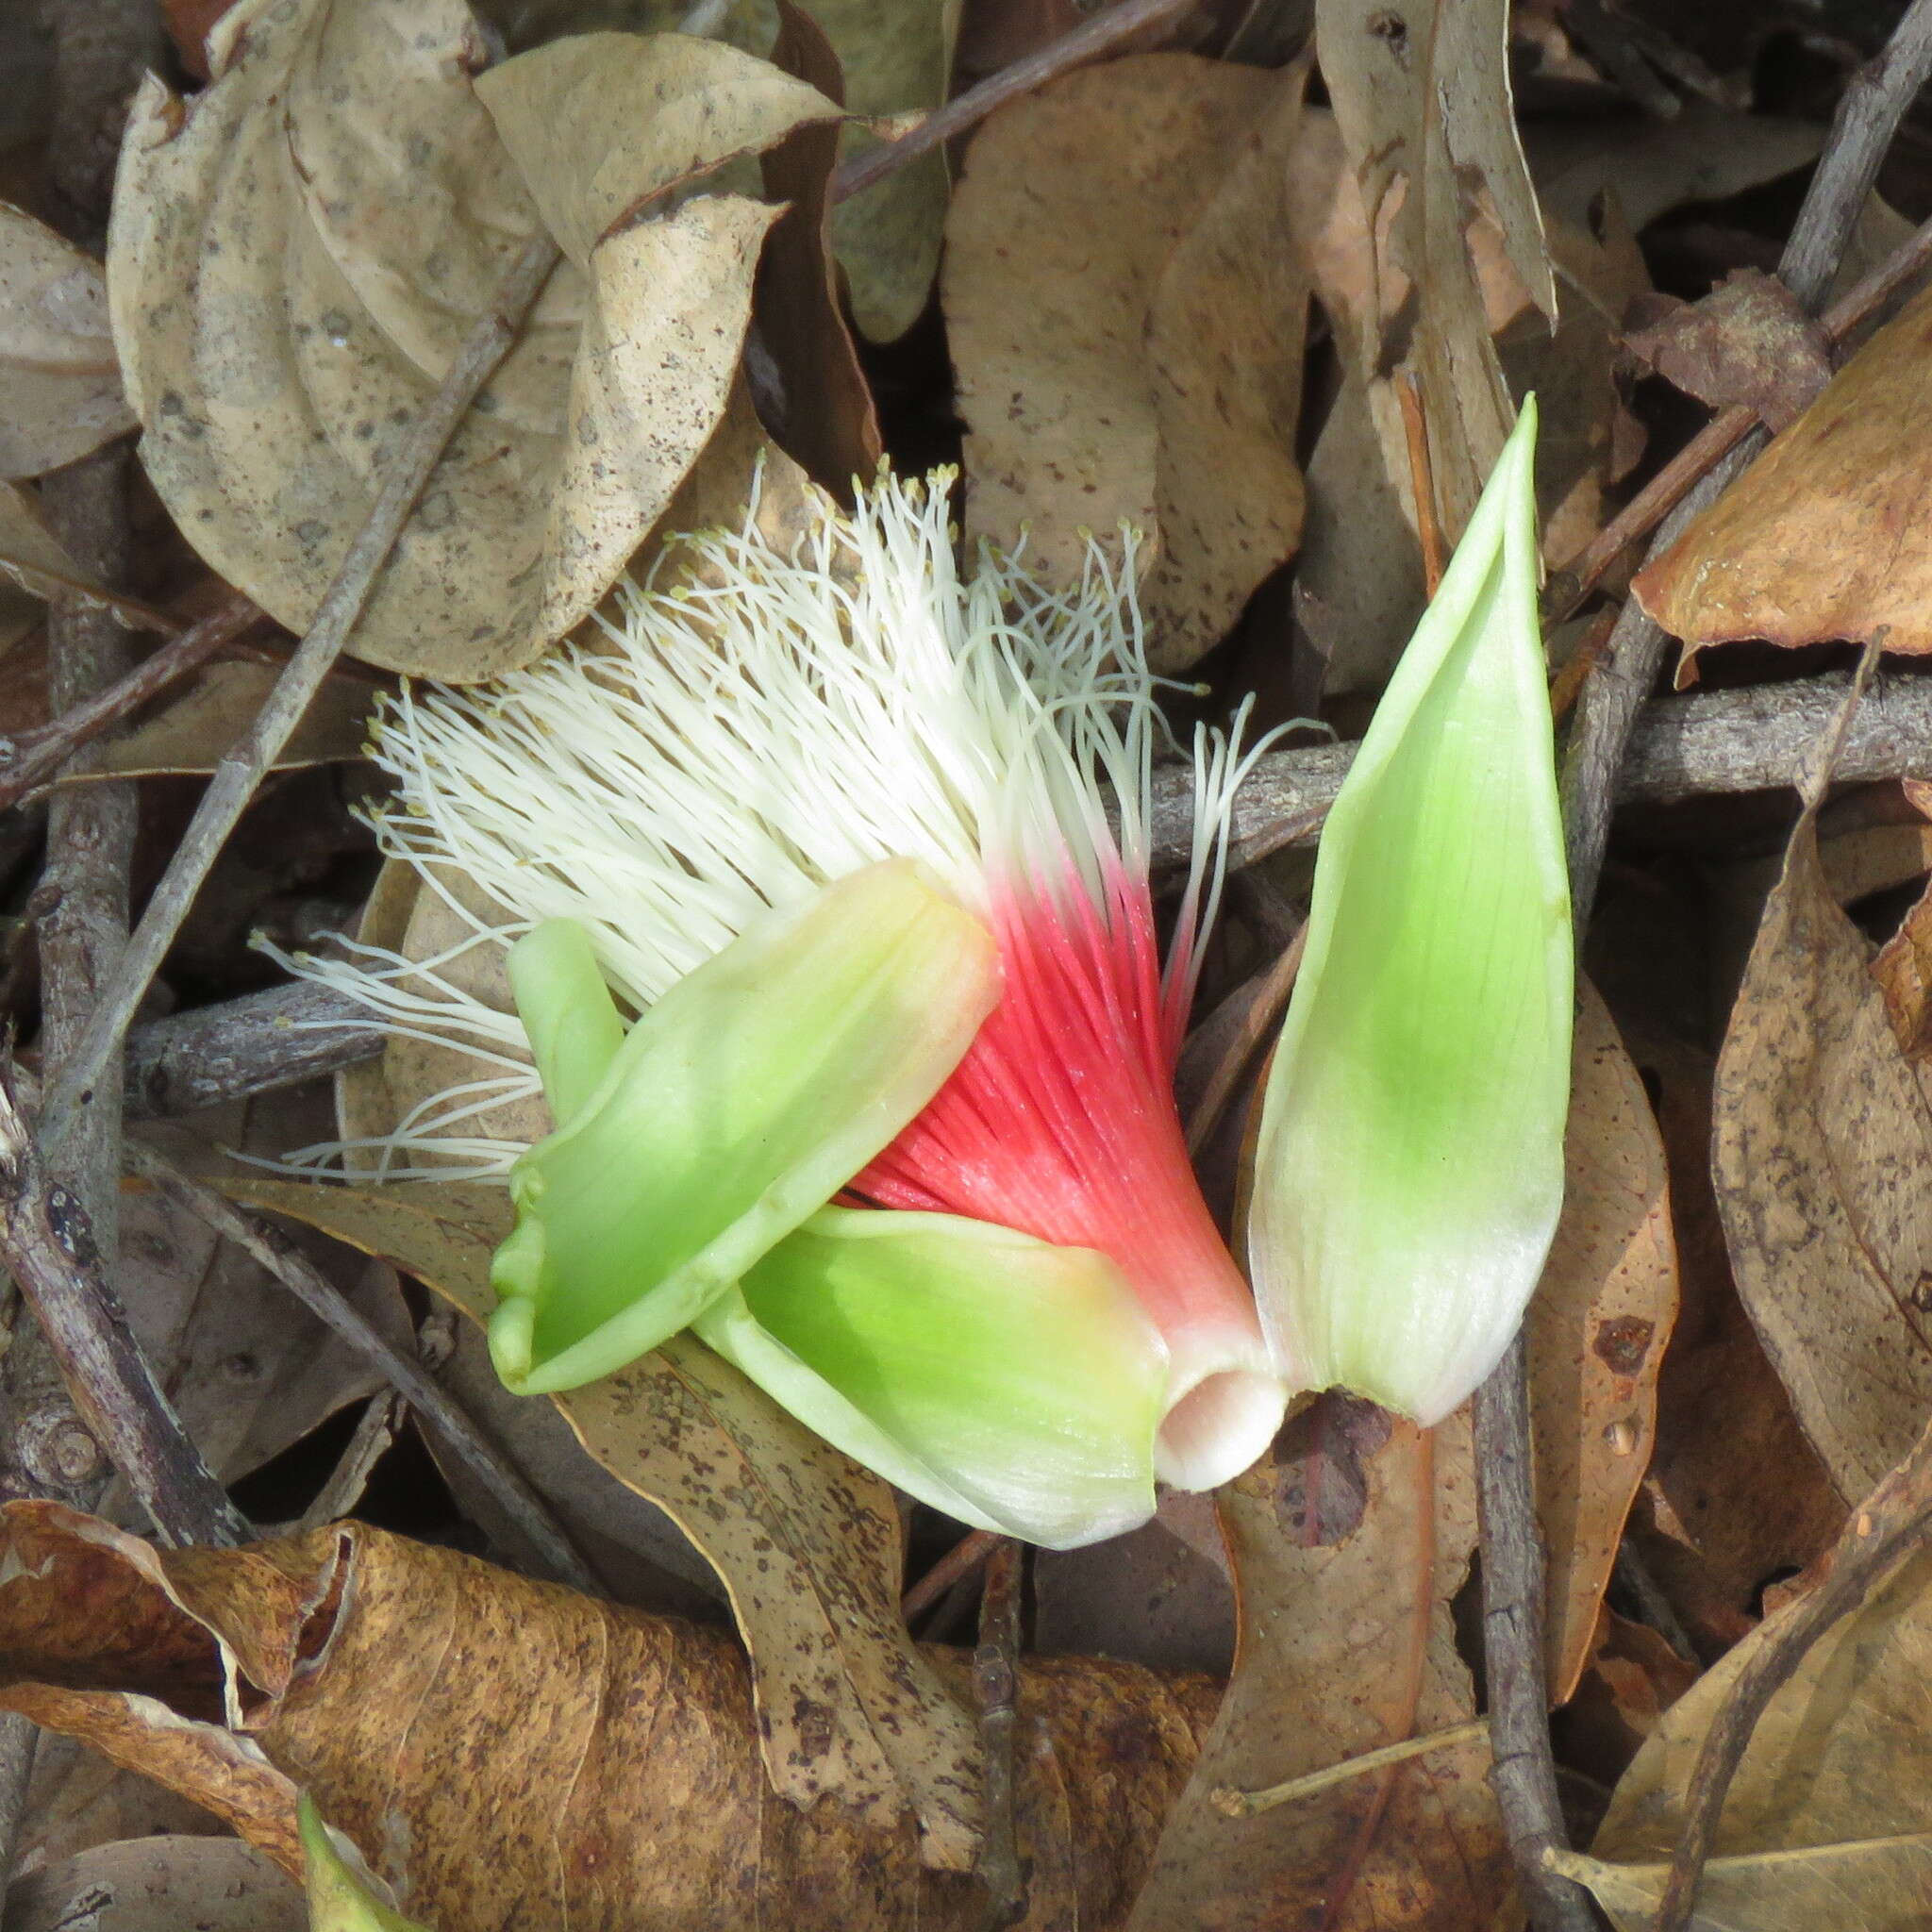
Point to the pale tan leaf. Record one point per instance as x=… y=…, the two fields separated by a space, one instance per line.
x=35 y=559
x=59 y=385
x=1829 y=1817
x=158 y=1885
x=297 y=256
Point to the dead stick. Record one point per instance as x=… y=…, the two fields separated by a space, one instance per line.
x=545 y=1536
x=240 y=772
x=48 y=1247
x=965 y=1556
x=34 y=757
x=1087 y=42
x=997 y=1687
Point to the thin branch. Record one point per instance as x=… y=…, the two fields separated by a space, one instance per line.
x=48 y=1247
x=1893 y=1520
x=240 y=772
x=965 y=1556
x=1090 y=40
x=32 y=758
x=544 y=1537
x=997 y=1689
x=1231 y=1803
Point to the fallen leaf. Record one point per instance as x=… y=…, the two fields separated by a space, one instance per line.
x=1822 y=1153
x=298 y=254
x=1829 y=1819
x=158 y=1885
x=1903 y=969
x=1597 y=1331
x=59 y=385
x=35 y=559
x=1748 y=342
x=395 y=1683
x=1816 y=539
x=1143 y=370
x=807 y=1543
x=1348 y=1543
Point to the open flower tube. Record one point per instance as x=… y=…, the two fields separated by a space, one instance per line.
x=824 y=879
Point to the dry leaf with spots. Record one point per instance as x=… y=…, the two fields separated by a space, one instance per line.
x=59 y=384
x=299 y=253
x=396 y=1682
x=1145 y=369
x=1829 y=1819
x=1348 y=1543
x=1820 y=537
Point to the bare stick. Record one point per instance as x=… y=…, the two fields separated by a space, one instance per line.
x=1894 y=1520
x=1087 y=42
x=1231 y=1803
x=48 y=1247
x=235 y=778
x=965 y=1556
x=34 y=757
x=544 y=1537
x=997 y=1687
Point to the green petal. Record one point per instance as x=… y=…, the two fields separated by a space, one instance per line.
x=573 y=1025
x=735 y=1108
x=1013 y=1384
x=339 y=1900
x=1409 y=1167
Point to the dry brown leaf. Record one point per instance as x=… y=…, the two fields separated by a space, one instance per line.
x=1348 y=1543
x=1819 y=538
x=1128 y=347
x=59 y=385
x=297 y=257
x=1903 y=972
x=1829 y=1820
x=1822 y=1153
x=397 y=1682
x=807 y=1542
x=34 y=559
x=1598 y=1326
x=158 y=1885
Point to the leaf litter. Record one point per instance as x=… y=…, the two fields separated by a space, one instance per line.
x=1268 y=293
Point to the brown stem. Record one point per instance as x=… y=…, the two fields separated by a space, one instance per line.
x=965 y=1556
x=48 y=1247
x=1087 y=42
x=995 y=1688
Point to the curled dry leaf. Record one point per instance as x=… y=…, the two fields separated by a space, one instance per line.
x=1820 y=537
x=158 y=1885
x=1822 y=1153
x=1126 y=294
x=807 y=1543
x=396 y=1683
x=1829 y=1820
x=59 y=385
x=1598 y=1326
x=299 y=253
x=1348 y=1543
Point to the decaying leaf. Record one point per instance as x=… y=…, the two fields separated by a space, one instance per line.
x=158 y=1885
x=807 y=1543
x=1598 y=1326
x=1143 y=367
x=298 y=255
x=34 y=559
x=1822 y=1153
x=397 y=1683
x=59 y=385
x=1348 y=1543
x=1829 y=1820
x=1820 y=537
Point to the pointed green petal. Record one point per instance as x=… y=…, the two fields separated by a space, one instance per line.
x=1015 y=1385
x=340 y=1899
x=735 y=1108
x=573 y=1025
x=1409 y=1167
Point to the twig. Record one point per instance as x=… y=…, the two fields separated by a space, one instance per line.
x=1523 y=1773
x=48 y=1247
x=259 y=1043
x=1575 y=579
x=33 y=757
x=1087 y=42
x=965 y=1556
x=546 y=1538
x=1231 y=1803
x=1422 y=472
x=996 y=1687
x=235 y=778
x=1894 y=1520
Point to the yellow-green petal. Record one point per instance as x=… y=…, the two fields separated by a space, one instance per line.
x=339 y=1898
x=735 y=1108
x=1408 y=1170
x=1015 y=1385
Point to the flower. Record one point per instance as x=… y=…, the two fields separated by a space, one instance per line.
x=834 y=826
x=1408 y=1171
